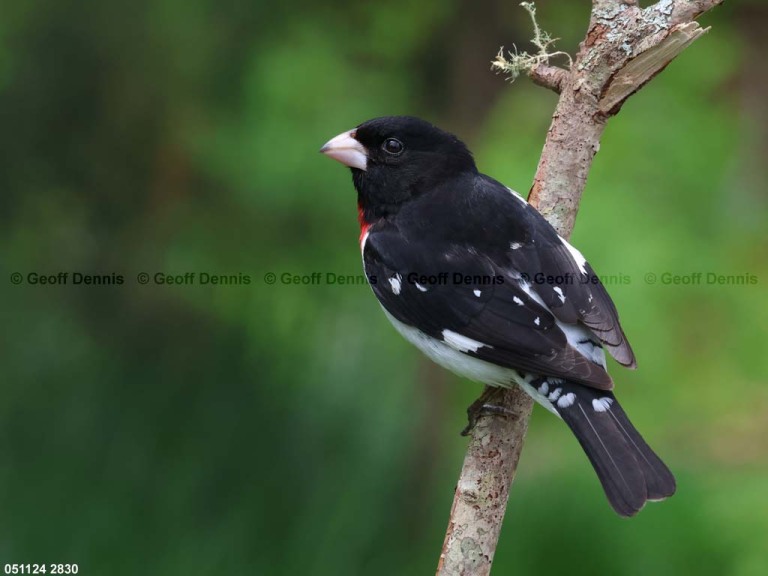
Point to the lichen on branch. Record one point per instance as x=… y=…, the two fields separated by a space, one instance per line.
x=516 y=62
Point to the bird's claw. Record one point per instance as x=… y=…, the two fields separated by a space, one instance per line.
x=484 y=406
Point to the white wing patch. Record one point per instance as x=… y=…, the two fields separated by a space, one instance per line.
x=579 y=338
x=476 y=293
x=396 y=283
x=517 y=301
x=576 y=255
x=420 y=287
x=462 y=343
x=559 y=292
x=515 y=245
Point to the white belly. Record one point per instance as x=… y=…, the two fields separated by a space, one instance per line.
x=468 y=366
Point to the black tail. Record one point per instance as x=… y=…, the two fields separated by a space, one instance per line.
x=630 y=472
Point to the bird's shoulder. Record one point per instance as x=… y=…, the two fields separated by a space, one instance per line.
x=474 y=209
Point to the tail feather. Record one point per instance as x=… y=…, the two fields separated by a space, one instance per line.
x=630 y=472
x=659 y=481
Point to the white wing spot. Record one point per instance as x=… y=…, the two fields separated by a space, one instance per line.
x=462 y=343
x=559 y=292
x=526 y=287
x=515 y=245
x=544 y=388
x=517 y=301
x=555 y=394
x=590 y=298
x=420 y=287
x=476 y=293
x=602 y=404
x=537 y=321
x=396 y=282
x=566 y=400
x=577 y=256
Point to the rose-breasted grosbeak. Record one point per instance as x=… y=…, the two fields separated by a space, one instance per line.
x=473 y=276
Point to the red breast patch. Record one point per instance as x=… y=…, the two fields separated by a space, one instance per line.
x=363 y=225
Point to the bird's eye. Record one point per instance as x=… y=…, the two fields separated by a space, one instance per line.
x=393 y=146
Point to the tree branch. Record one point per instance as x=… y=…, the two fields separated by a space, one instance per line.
x=625 y=47
x=548 y=76
x=690 y=10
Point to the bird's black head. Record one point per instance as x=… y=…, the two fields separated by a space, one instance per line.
x=396 y=158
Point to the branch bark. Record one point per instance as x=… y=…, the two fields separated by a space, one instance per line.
x=548 y=76
x=625 y=47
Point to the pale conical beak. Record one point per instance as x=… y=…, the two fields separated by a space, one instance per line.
x=347 y=150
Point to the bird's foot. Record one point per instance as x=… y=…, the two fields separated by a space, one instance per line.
x=488 y=403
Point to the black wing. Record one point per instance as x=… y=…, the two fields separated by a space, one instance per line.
x=481 y=228
x=452 y=288
x=568 y=285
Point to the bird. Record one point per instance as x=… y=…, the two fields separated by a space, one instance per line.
x=475 y=277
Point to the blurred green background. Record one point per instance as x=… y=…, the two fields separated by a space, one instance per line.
x=287 y=429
